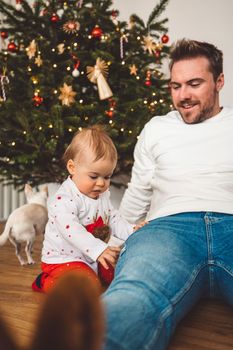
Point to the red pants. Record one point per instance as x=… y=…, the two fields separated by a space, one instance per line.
x=52 y=272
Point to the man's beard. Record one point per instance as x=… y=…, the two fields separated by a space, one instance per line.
x=204 y=114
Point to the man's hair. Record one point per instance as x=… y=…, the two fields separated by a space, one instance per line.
x=186 y=49
x=92 y=139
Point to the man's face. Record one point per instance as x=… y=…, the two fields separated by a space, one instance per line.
x=194 y=92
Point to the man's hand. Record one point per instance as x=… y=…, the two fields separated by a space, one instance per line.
x=139 y=225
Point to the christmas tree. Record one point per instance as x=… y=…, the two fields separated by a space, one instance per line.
x=65 y=65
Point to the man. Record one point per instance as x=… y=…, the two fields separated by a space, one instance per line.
x=182 y=182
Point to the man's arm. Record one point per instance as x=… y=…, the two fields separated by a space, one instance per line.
x=137 y=198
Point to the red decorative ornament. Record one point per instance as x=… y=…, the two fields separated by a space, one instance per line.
x=4 y=35
x=157 y=53
x=96 y=32
x=109 y=113
x=114 y=13
x=54 y=18
x=148 y=81
x=37 y=100
x=165 y=38
x=12 y=47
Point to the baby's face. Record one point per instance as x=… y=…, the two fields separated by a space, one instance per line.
x=91 y=178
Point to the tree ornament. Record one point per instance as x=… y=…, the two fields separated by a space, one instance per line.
x=112 y=104
x=114 y=15
x=18 y=5
x=37 y=100
x=149 y=45
x=61 y=48
x=76 y=72
x=4 y=35
x=38 y=61
x=97 y=75
x=148 y=78
x=133 y=69
x=165 y=38
x=123 y=39
x=31 y=49
x=12 y=47
x=96 y=32
x=157 y=53
x=4 y=80
x=71 y=27
x=67 y=95
x=109 y=113
x=54 y=18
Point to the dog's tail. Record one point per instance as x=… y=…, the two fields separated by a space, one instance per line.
x=4 y=236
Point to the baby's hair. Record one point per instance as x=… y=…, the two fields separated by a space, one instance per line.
x=93 y=138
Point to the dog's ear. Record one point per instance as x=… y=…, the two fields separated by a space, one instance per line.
x=71 y=317
x=46 y=190
x=28 y=189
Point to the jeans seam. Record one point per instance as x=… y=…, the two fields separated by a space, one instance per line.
x=224 y=267
x=208 y=225
x=176 y=299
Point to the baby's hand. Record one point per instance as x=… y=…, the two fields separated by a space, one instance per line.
x=139 y=225
x=110 y=255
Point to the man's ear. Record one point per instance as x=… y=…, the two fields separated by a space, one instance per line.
x=220 y=82
x=70 y=166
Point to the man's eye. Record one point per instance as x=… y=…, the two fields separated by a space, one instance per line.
x=175 y=87
x=107 y=177
x=195 y=84
x=93 y=177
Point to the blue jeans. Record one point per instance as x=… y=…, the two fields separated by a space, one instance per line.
x=164 y=269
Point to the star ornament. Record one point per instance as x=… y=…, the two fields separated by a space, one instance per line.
x=133 y=69
x=38 y=61
x=31 y=49
x=149 y=45
x=71 y=27
x=67 y=95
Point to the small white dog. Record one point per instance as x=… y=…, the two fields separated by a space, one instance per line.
x=25 y=222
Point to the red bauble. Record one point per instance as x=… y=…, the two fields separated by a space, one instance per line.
x=157 y=54
x=148 y=82
x=12 y=47
x=4 y=35
x=109 y=113
x=37 y=100
x=165 y=38
x=115 y=13
x=54 y=18
x=96 y=32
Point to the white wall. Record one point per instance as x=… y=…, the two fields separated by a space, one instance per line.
x=204 y=20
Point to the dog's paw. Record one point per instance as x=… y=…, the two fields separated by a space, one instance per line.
x=23 y=262
x=31 y=262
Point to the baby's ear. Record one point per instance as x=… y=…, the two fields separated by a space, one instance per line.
x=70 y=166
x=28 y=189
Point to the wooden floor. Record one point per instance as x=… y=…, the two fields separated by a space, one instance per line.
x=208 y=327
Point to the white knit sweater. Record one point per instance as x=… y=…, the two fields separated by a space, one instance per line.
x=181 y=168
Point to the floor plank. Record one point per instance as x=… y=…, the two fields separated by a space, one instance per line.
x=208 y=327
